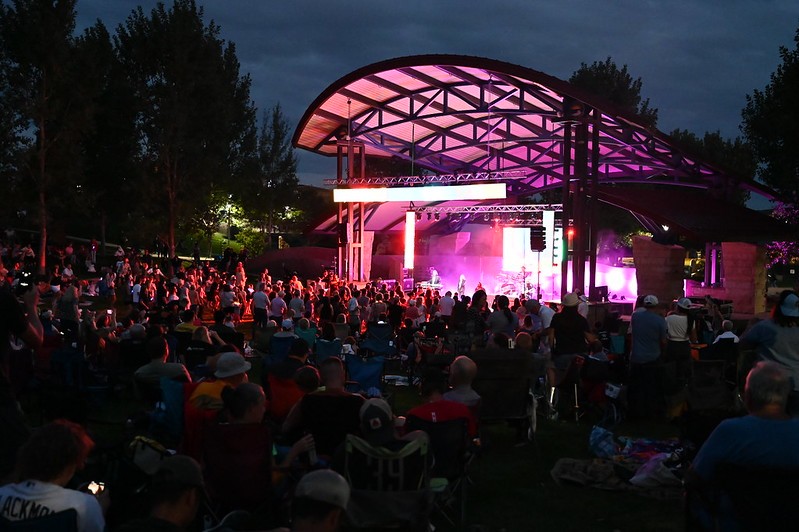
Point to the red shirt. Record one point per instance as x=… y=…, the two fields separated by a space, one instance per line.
x=445 y=410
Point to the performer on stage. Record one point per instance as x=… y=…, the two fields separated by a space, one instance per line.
x=461 y=286
x=435 y=280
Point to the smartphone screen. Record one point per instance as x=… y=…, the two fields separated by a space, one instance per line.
x=96 y=487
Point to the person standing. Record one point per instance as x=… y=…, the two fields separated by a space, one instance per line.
x=649 y=338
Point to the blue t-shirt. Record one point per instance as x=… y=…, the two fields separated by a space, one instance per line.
x=750 y=440
x=648 y=330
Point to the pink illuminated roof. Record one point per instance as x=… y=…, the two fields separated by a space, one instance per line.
x=453 y=113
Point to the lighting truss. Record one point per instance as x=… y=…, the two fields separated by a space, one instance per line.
x=437 y=179
x=491 y=209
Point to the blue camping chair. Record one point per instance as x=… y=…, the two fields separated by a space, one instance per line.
x=279 y=349
x=365 y=374
x=326 y=349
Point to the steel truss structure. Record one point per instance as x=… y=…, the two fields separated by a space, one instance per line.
x=488 y=209
x=465 y=118
x=445 y=179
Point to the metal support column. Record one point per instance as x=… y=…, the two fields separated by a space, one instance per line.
x=579 y=201
x=593 y=207
x=567 y=208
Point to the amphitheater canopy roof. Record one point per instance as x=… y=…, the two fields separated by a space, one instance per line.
x=453 y=114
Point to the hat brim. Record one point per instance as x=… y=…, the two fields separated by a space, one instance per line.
x=224 y=374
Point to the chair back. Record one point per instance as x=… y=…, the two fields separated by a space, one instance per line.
x=234 y=338
x=448 y=441
x=237 y=466
x=372 y=468
x=503 y=381
x=63 y=521
x=330 y=418
x=366 y=372
x=389 y=489
x=183 y=339
x=279 y=348
x=326 y=349
x=763 y=498
x=283 y=394
x=309 y=335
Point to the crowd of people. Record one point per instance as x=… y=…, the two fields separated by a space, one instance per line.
x=203 y=325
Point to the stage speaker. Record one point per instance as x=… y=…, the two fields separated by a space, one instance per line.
x=391 y=284
x=407 y=284
x=538 y=239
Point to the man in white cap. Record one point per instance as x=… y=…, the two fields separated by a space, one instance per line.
x=231 y=370
x=649 y=337
x=176 y=490
x=320 y=502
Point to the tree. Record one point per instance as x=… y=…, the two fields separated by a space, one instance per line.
x=109 y=149
x=770 y=121
x=734 y=157
x=194 y=118
x=786 y=252
x=605 y=79
x=45 y=103
x=268 y=192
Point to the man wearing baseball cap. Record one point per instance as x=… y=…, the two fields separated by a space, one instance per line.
x=649 y=337
x=320 y=502
x=175 y=493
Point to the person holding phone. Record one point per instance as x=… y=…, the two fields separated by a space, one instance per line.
x=47 y=463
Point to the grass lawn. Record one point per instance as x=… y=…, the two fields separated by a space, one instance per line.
x=513 y=489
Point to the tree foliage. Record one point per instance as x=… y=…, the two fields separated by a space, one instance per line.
x=47 y=104
x=605 y=79
x=268 y=189
x=734 y=157
x=784 y=252
x=770 y=121
x=194 y=118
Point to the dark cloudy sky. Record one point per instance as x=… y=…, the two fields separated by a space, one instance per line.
x=697 y=59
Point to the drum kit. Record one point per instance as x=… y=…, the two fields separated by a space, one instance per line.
x=515 y=284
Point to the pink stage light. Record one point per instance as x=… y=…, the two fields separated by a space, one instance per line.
x=479 y=192
x=410 y=238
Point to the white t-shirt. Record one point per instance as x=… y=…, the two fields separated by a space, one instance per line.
x=260 y=300
x=546 y=313
x=677 y=325
x=32 y=498
x=135 y=293
x=445 y=305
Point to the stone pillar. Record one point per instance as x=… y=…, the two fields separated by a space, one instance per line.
x=744 y=276
x=658 y=268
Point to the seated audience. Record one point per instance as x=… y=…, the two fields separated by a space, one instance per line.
x=726 y=332
x=437 y=408
x=766 y=437
x=329 y=413
x=46 y=464
x=231 y=370
x=151 y=373
x=462 y=372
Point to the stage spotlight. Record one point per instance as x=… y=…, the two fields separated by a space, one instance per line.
x=418 y=216
x=429 y=216
x=437 y=216
x=486 y=217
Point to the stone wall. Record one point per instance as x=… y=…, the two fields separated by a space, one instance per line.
x=659 y=268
